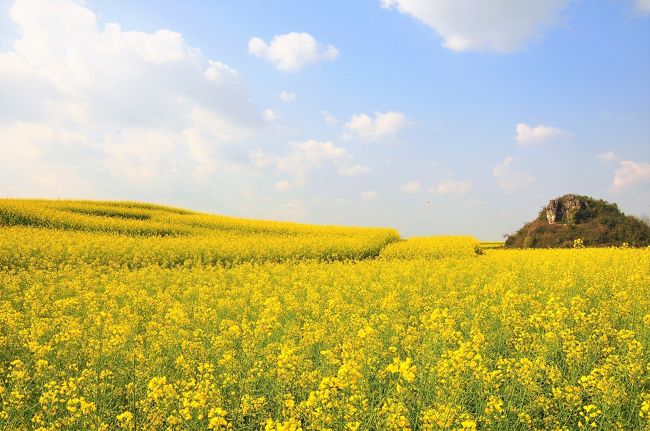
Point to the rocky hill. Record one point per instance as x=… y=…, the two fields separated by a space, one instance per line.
x=594 y=221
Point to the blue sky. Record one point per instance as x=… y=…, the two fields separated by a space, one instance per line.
x=433 y=117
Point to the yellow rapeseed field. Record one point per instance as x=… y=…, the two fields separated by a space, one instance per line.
x=124 y=316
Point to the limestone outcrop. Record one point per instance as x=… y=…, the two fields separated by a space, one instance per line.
x=565 y=209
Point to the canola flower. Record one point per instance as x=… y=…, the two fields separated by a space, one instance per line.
x=108 y=337
x=432 y=248
x=52 y=233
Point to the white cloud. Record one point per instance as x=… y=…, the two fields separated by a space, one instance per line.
x=608 y=156
x=287 y=96
x=630 y=173
x=292 y=51
x=352 y=169
x=23 y=142
x=220 y=73
x=453 y=187
x=308 y=156
x=411 y=187
x=284 y=185
x=527 y=135
x=510 y=179
x=497 y=25
x=142 y=155
x=293 y=211
x=23 y=173
x=109 y=106
x=369 y=195
x=643 y=5
x=270 y=115
x=329 y=118
x=385 y=125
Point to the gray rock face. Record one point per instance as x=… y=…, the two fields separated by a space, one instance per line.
x=564 y=209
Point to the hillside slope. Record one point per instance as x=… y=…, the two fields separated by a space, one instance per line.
x=570 y=217
x=41 y=232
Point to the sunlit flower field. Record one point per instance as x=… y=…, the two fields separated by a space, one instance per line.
x=135 y=317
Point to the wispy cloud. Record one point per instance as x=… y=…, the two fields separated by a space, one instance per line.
x=643 y=5
x=307 y=156
x=411 y=187
x=384 y=125
x=527 y=135
x=329 y=118
x=608 y=156
x=453 y=187
x=630 y=173
x=369 y=195
x=287 y=96
x=510 y=179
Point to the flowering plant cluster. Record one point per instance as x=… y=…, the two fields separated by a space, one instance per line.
x=107 y=337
